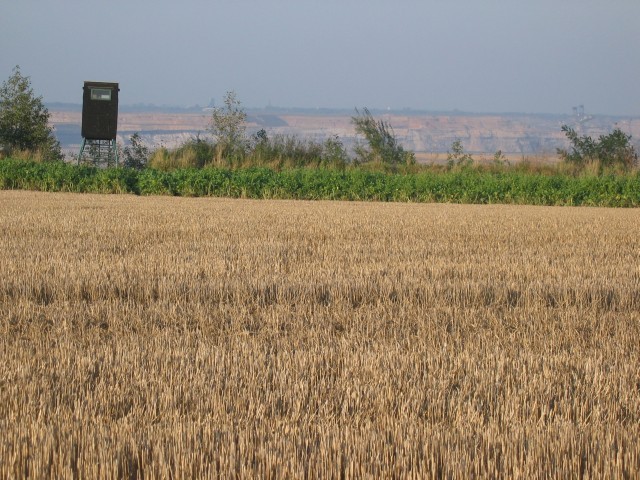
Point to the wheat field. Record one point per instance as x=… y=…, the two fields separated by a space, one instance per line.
x=160 y=337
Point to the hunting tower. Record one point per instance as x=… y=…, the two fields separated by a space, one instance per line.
x=100 y=122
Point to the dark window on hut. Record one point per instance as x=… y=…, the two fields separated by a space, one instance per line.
x=101 y=94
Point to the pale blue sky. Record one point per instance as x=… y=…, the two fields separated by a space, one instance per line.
x=537 y=56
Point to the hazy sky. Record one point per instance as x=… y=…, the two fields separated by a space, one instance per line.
x=539 y=56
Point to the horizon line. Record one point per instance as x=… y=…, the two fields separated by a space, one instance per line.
x=380 y=110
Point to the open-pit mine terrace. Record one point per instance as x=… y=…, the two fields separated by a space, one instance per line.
x=430 y=135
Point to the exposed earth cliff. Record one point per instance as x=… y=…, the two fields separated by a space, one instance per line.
x=430 y=135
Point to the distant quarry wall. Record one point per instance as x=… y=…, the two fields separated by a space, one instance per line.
x=429 y=135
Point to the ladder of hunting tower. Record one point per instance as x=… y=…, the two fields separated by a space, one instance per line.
x=99 y=152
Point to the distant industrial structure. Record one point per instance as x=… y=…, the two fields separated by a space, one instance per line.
x=99 y=123
x=580 y=116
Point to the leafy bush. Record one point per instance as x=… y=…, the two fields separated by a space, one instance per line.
x=608 y=152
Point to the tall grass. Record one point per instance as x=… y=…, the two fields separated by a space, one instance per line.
x=173 y=337
x=277 y=152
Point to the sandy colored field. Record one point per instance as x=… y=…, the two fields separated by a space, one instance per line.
x=182 y=338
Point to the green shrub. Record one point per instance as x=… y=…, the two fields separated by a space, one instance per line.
x=611 y=153
x=463 y=186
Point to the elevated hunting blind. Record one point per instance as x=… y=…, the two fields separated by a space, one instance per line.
x=100 y=121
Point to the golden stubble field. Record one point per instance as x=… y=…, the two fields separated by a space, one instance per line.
x=167 y=337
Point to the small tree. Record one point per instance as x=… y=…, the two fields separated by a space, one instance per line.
x=612 y=150
x=334 y=153
x=382 y=143
x=499 y=160
x=457 y=157
x=228 y=126
x=24 y=120
x=136 y=155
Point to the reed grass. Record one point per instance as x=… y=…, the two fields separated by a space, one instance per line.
x=164 y=337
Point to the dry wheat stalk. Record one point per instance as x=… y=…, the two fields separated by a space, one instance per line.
x=172 y=337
